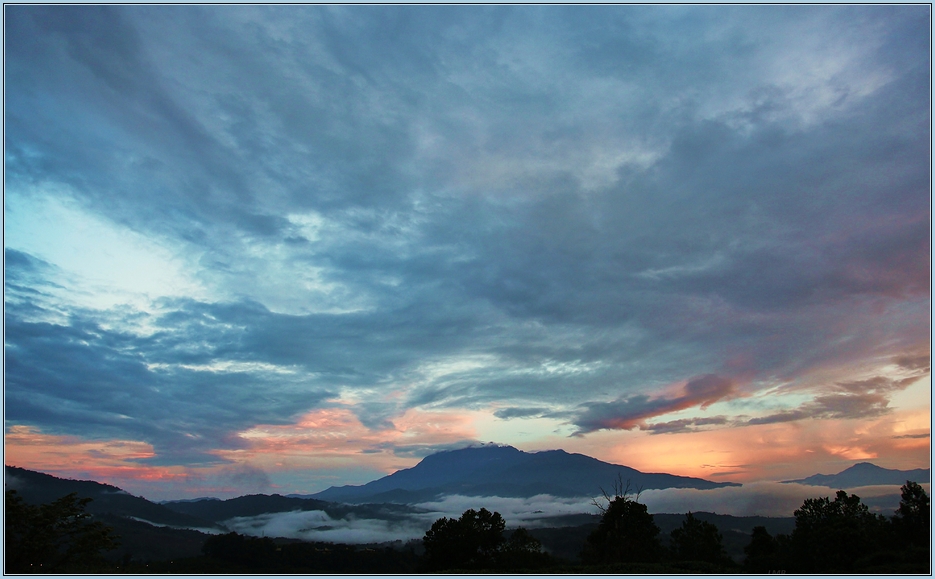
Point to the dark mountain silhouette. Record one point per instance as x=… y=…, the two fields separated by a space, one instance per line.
x=219 y=511
x=245 y=506
x=864 y=474
x=39 y=488
x=494 y=470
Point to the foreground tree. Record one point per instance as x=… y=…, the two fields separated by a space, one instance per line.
x=912 y=517
x=469 y=542
x=255 y=552
x=698 y=540
x=53 y=538
x=626 y=533
x=762 y=554
x=521 y=551
x=831 y=536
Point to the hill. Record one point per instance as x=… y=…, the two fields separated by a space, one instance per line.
x=504 y=471
x=865 y=474
x=38 y=488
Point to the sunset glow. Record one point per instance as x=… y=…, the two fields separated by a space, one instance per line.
x=283 y=248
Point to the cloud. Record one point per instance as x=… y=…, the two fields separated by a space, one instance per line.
x=463 y=209
x=531 y=512
x=765 y=499
x=514 y=412
x=319 y=526
x=866 y=398
x=770 y=499
x=246 y=477
x=684 y=425
x=626 y=414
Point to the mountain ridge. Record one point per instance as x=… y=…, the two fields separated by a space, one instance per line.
x=865 y=474
x=502 y=470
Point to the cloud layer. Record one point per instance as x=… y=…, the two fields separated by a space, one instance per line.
x=221 y=220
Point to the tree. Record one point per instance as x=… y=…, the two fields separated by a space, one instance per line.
x=54 y=537
x=912 y=516
x=830 y=536
x=256 y=552
x=762 y=553
x=521 y=551
x=626 y=533
x=470 y=542
x=698 y=540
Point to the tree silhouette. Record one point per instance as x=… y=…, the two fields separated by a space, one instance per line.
x=521 y=551
x=833 y=535
x=698 y=540
x=626 y=532
x=912 y=516
x=54 y=537
x=256 y=552
x=762 y=554
x=470 y=542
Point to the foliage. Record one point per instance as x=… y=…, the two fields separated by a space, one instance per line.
x=475 y=541
x=832 y=535
x=841 y=535
x=54 y=537
x=253 y=552
x=698 y=540
x=469 y=542
x=233 y=553
x=521 y=551
x=626 y=533
x=762 y=554
x=913 y=515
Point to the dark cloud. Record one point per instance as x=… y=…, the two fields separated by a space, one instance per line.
x=841 y=406
x=246 y=477
x=685 y=425
x=423 y=450
x=632 y=412
x=588 y=200
x=513 y=412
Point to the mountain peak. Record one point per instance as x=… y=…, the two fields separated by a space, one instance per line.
x=505 y=471
x=865 y=474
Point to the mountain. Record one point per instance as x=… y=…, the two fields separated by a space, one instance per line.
x=39 y=488
x=864 y=474
x=146 y=530
x=494 y=470
x=218 y=511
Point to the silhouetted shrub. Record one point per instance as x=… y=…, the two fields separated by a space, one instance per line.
x=833 y=535
x=698 y=540
x=55 y=537
x=626 y=533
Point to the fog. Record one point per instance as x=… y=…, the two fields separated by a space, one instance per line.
x=771 y=499
x=318 y=526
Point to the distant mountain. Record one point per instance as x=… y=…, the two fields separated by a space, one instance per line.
x=39 y=488
x=864 y=474
x=146 y=530
x=494 y=470
x=218 y=511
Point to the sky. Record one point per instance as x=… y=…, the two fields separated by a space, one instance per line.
x=280 y=248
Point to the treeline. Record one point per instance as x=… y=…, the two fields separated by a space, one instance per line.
x=830 y=536
x=842 y=536
x=837 y=535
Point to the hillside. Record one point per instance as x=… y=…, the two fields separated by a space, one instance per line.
x=506 y=472
x=865 y=474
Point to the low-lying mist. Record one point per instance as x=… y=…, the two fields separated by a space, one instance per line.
x=768 y=499
x=771 y=499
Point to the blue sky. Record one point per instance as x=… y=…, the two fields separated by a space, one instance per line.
x=282 y=247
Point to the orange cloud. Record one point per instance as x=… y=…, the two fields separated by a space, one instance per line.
x=112 y=461
x=632 y=412
x=331 y=437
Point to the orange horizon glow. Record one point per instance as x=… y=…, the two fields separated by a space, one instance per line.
x=334 y=438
